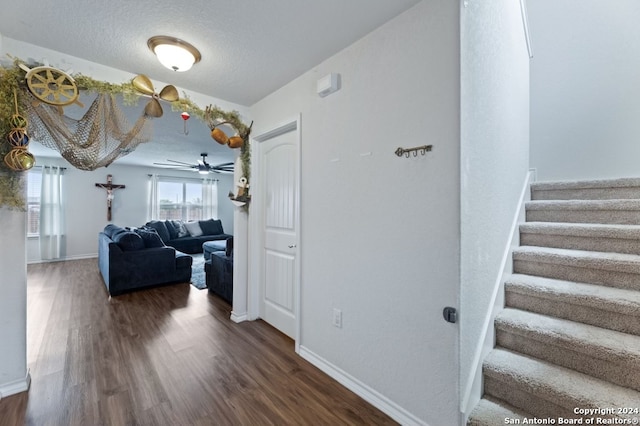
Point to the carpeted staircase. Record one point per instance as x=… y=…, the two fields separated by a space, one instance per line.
x=569 y=336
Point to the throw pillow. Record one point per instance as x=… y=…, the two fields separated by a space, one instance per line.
x=161 y=228
x=150 y=237
x=181 y=231
x=129 y=241
x=173 y=232
x=117 y=232
x=211 y=227
x=193 y=228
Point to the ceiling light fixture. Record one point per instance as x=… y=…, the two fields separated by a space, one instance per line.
x=173 y=53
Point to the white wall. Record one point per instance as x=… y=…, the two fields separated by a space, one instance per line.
x=585 y=90
x=379 y=236
x=494 y=159
x=86 y=205
x=13 y=303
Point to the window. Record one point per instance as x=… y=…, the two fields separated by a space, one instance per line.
x=34 y=182
x=186 y=199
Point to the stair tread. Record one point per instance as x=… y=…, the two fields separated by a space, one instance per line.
x=586 y=184
x=614 y=204
x=560 y=253
x=594 y=230
x=604 y=268
x=607 y=345
x=602 y=260
x=596 y=296
x=491 y=412
x=561 y=385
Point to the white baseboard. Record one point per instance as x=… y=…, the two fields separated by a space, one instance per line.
x=472 y=391
x=239 y=317
x=62 y=259
x=373 y=397
x=15 y=387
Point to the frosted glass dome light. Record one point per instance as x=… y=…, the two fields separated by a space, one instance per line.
x=173 y=53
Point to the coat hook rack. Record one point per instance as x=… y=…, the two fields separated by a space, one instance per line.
x=415 y=150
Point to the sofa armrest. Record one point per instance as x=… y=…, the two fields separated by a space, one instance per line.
x=105 y=247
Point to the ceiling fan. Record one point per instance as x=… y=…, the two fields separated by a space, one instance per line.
x=202 y=167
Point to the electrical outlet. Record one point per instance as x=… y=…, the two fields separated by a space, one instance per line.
x=337 y=318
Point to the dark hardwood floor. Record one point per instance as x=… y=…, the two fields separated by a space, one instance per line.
x=164 y=356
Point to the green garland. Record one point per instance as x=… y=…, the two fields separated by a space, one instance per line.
x=213 y=115
x=13 y=79
x=11 y=182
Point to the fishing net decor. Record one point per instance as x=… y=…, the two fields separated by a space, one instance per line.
x=97 y=139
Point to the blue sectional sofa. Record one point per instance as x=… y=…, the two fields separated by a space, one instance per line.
x=131 y=259
x=188 y=236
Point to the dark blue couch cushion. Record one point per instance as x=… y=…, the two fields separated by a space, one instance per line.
x=211 y=227
x=111 y=229
x=173 y=234
x=150 y=237
x=161 y=228
x=128 y=241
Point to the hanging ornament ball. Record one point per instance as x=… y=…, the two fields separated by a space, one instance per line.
x=19 y=159
x=18 y=122
x=18 y=138
x=219 y=136
x=235 y=141
x=185 y=115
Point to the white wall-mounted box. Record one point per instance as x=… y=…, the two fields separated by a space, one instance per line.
x=328 y=84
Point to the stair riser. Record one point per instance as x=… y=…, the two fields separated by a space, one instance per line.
x=616 y=245
x=587 y=194
x=616 y=279
x=612 y=217
x=562 y=308
x=614 y=370
x=518 y=395
x=491 y=412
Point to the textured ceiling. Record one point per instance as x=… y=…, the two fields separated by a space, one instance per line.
x=250 y=48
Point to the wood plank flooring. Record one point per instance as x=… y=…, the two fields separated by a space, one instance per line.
x=164 y=356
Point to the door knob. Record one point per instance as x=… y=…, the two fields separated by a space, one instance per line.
x=292 y=246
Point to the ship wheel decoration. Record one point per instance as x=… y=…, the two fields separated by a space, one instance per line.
x=153 y=109
x=52 y=86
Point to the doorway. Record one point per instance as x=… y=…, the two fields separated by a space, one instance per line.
x=274 y=228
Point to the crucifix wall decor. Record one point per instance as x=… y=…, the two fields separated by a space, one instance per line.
x=110 y=187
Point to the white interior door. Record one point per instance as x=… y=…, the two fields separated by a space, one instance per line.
x=278 y=282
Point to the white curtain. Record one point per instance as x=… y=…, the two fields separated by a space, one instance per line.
x=153 y=205
x=210 y=198
x=51 y=213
